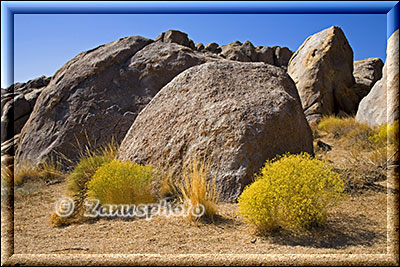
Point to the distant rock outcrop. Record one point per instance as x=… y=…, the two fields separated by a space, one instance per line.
x=177 y=37
x=246 y=52
x=322 y=69
x=17 y=102
x=97 y=95
x=366 y=73
x=282 y=56
x=381 y=105
x=236 y=114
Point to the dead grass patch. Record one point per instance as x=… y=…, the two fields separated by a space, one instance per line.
x=361 y=154
x=48 y=171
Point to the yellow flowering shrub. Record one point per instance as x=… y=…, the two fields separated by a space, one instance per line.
x=119 y=182
x=82 y=174
x=292 y=192
x=387 y=134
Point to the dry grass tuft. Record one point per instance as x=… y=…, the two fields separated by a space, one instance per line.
x=47 y=172
x=7 y=169
x=196 y=189
x=347 y=131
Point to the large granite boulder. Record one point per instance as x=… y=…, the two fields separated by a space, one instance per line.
x=96 y=96
x=238 y=115
x=17 y=102
x=322 y=69
x=381 y=105
x=266 y=54
x=366 y=73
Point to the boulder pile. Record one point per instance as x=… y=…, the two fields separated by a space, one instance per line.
x=171 y=100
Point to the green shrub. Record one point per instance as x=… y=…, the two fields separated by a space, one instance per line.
x=91 y=158
x=292 y=192
x=83 y=173
x=120 y=182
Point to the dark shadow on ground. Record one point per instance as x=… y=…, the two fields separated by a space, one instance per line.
x=340 y=233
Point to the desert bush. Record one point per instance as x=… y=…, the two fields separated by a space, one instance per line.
x=83 y=173
x=198 y=190
x=119 y=182
x=387 y=134
x=293 y=192
x=91 y=158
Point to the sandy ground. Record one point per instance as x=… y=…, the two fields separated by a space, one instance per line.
x=357 y=226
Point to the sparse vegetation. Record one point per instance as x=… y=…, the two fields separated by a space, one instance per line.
x=168 y=184
x=292 y=192
x=348 y=131
x=47 y=171
x=196 y=189
x=363 y=154
x=387 y=134
x=7 y=169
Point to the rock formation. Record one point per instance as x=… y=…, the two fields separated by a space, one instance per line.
x=177 y=37
x=17 y=102
x=322 y=69
x=236 y=114
x=213 y=48
x=381 y=105
x=246 y=52
x=366 y=73
x=97 y=95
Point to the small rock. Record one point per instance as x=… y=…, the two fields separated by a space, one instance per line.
x=324 y=146
x=199 y=46
x=213 y=47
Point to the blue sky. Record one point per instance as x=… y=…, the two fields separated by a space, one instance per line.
x=43 y=43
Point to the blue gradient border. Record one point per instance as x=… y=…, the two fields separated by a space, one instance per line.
x=8 y=9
